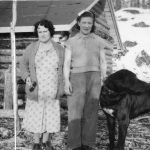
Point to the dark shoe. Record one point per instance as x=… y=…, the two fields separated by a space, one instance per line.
x=85 y=147
x=37 y=146
x=47 y=146
x=79 y=148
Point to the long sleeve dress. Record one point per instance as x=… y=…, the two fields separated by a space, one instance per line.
x=44 y=115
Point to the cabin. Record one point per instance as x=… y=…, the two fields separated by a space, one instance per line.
x=63 y=14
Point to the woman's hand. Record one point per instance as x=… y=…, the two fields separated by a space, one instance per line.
x=28 y=81
x=68 y=88
x=103 y=78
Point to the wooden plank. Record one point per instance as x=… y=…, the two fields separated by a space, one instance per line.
x=8 y=95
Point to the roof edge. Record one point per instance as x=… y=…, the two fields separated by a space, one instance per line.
x=87 y=9
x=31 y=28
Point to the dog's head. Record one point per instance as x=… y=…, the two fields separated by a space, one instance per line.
x=118 y=85
x=126 y=81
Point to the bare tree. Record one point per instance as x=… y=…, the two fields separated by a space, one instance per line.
x=132 y=3
x=137 y=3
x=117 y=4
x=143 y=3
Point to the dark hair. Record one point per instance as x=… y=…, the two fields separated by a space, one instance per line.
x=47 y=24
x=86 y=14
x=65 y=34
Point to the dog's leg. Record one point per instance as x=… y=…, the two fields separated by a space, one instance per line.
x=123 y=127
x=111 y=129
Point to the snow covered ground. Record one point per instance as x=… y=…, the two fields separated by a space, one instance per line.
x=134 y=26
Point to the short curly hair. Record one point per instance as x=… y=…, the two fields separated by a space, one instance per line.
x=86 y=14
x=47 y=24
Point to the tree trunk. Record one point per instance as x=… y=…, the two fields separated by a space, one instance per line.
x=138 y=3
x=143 y=4
x=117 y=4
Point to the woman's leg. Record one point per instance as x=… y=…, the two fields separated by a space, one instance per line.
x=75 y=110
x=91 y=106
x=46 y=141
x=46 y=137
x=36 y=138
x=37 y=145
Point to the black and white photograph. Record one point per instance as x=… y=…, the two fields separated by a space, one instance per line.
x=74 y=75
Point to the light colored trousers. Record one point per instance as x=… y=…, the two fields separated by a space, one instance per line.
x=83 y=109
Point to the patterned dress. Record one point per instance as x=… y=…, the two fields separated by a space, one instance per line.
x=44 y=115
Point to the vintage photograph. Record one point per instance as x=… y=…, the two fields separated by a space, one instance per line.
x=74 y=75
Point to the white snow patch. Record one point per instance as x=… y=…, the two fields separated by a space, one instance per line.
x=139 y=34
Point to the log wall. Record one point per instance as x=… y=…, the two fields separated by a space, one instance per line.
x=104 y=27
x=22 y=40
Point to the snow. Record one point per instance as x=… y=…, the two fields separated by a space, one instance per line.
x=141 y=35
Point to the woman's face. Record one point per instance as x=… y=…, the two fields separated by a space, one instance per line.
x=85 y=25
x=43 y=34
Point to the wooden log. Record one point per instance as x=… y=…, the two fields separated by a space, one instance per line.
x=4 y=66
x=8 y=95
x=7 y=59
x=109 y=63
x=108 y=53
x=108 y=59
x=10 y=113
x=21 y=44
x=7 y=52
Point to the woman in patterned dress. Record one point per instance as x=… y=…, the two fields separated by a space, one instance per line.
x=41 y=69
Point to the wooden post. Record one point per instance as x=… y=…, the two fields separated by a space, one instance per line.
x=8 y=95
x=14 y=81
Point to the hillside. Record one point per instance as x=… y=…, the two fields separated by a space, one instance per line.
x=134 y=28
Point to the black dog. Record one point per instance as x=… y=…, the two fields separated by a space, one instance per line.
x=123 y=97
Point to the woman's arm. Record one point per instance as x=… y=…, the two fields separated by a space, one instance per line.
x=66 y=71
x=24 y=65
x=103 y=64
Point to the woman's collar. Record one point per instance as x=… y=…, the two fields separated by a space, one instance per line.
x=82 y=36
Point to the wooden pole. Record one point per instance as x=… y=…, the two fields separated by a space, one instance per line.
x=13 y=54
